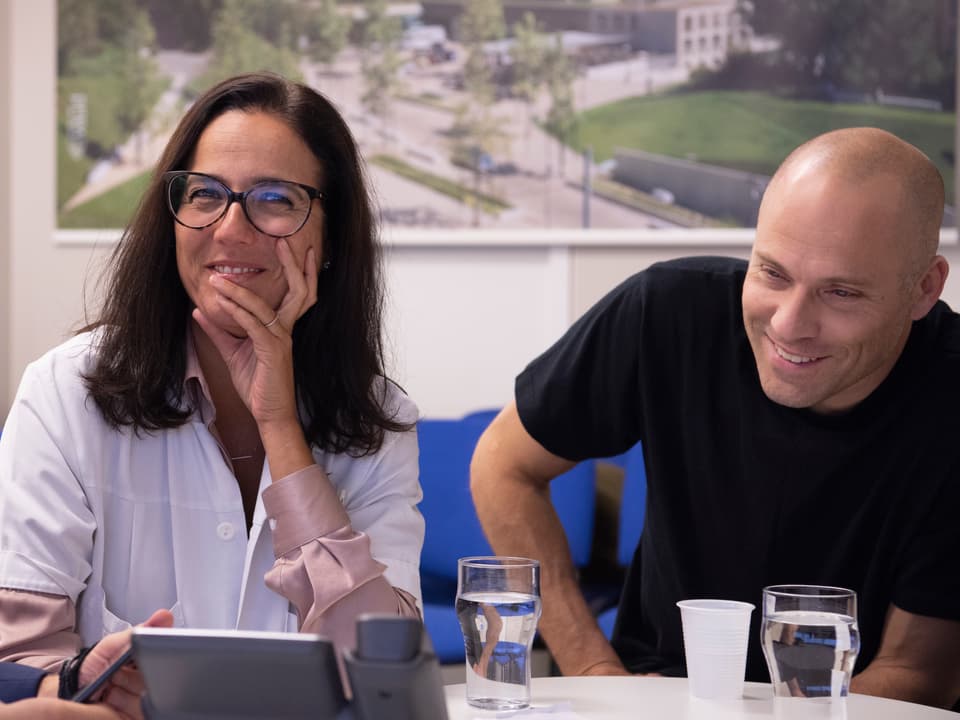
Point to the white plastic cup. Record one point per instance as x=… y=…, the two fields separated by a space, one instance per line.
x=715 y=637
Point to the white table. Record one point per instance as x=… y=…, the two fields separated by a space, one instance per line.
x=656 y=698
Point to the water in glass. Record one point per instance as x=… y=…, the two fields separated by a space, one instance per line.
x=498 y=631
x=810 y=640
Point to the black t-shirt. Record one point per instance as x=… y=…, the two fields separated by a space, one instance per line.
x=743 y=492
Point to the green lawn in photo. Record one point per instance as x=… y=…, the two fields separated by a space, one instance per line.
x=751 y=131
x=112 y=209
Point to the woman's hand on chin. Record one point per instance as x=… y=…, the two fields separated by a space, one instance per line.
x=261 y=364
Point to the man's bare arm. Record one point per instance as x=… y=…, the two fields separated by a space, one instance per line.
x=918 y=661
x=510 y=478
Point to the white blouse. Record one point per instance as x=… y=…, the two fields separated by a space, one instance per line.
x=123 y=524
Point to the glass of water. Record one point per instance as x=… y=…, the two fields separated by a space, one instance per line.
x=810 y=640
x=498 y=605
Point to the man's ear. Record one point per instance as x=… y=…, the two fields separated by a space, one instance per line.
x=930 y=286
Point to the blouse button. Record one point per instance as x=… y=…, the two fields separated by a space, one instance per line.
x=225 y=531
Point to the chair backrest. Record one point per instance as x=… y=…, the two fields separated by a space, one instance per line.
x=632 y=514
x=485 y=417
x=574 y=495
x=452 y=528
x=633 y=504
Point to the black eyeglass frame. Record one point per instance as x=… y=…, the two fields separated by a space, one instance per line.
x=240 y=197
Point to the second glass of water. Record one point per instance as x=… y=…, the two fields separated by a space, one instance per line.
x=810 y=640
x=498 y=605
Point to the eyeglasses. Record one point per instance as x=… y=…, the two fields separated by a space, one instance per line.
x=274 y=207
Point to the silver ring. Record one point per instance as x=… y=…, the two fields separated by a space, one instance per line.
x=272 y=322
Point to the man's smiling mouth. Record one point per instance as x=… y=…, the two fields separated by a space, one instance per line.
x=795 y=359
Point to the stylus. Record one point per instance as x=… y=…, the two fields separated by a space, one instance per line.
x=86 y=693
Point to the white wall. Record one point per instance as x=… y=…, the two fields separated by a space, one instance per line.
x=466 y=311
x=463 y=321
x=5 y=137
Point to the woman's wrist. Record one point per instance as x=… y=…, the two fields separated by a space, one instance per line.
x=285 y=447
x=70 y=674
x=49 y=686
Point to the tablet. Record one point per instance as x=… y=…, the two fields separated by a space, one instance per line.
x=220 y=674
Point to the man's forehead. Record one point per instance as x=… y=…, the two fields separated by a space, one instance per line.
x=831 y=268
x=875 y=269
x=836 y=207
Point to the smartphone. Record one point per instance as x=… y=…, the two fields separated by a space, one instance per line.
x=87 y=692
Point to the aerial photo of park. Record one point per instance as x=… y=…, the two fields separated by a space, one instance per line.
x=517 y=114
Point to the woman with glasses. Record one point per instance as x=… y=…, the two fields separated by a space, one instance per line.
x=222 y=440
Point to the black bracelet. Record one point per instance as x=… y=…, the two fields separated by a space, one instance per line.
x=70 y=674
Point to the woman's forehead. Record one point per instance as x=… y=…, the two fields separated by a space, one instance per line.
x=247 y=146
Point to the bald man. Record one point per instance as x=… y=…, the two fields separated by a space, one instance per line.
x=799 y=419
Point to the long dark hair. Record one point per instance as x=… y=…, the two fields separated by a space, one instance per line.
x=138 y=377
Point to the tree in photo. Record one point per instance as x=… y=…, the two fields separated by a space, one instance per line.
x=868 y=46
x=325 y=30
x=561 y=119
x=276 y=21
x=478 y=133
x=236 y=48
x=482 y=22
x=78 y=33
x=139 y=80
x=185 y=25
x=527 y=55
x=380 y=43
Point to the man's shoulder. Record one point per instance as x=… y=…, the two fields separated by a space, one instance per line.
x=705 y=274
x=714 y=265
x=693 y=268
x=931 y=363
x=684 y=282
x=942 y=326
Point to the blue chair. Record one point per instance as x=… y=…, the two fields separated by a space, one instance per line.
x=453 y=530
x=485 y=417
x=632 y=512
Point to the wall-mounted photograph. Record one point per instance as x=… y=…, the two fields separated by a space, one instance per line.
x=517 y=114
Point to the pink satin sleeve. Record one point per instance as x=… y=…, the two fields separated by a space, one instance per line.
x=37 y=629
x=324 y=567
